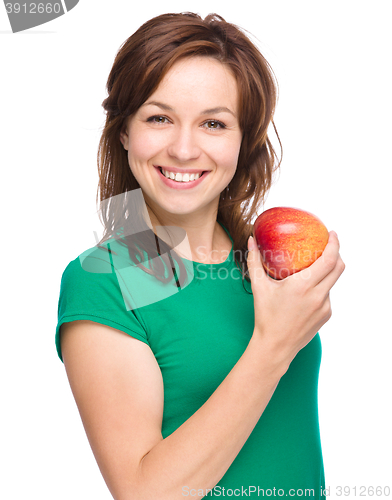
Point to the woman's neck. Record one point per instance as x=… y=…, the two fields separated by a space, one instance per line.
x=200 y=240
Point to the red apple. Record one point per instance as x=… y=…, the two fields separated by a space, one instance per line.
x=289 y=240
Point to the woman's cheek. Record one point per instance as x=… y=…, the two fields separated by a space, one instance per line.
x=145 y=147
x=227 y=154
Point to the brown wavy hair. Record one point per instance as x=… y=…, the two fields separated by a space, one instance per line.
x=139 y=66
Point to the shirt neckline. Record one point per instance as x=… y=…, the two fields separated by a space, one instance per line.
x=207 y=268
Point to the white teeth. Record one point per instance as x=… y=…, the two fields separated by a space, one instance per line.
x=180 y=177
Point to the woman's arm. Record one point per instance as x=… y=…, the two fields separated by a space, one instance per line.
x=118 y=388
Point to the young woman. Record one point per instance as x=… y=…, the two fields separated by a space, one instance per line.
x=195 y=373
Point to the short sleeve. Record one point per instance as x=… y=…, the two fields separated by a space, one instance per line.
x=90 y=290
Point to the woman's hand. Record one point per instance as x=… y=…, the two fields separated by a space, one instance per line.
x=289 y=312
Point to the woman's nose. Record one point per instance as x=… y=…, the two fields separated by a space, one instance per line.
x=183 y=145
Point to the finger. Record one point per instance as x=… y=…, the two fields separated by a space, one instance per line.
x=328 y=282
x=325 y=264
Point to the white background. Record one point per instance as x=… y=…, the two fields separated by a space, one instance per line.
x=332 y=60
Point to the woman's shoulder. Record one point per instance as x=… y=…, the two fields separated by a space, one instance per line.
x=92 y=260
x=99 y=259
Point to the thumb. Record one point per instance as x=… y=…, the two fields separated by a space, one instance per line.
x=254 y=261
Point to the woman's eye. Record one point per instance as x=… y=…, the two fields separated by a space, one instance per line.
x=214 y=125
x=209 y=124
x=157 y=119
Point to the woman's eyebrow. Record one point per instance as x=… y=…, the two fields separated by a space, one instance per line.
x=159 y=104
x=219 y=109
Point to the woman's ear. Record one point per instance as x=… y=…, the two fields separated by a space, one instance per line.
x=124 y=138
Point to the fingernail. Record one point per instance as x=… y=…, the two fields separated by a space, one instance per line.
x=251 y=243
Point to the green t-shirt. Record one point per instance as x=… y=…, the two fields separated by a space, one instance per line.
x=197 y=334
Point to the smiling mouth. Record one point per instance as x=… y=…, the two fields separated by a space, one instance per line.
x=178 y=177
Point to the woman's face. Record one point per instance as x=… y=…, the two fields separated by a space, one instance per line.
x=187 y=127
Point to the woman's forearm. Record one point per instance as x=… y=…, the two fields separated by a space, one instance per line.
x=201 y=450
